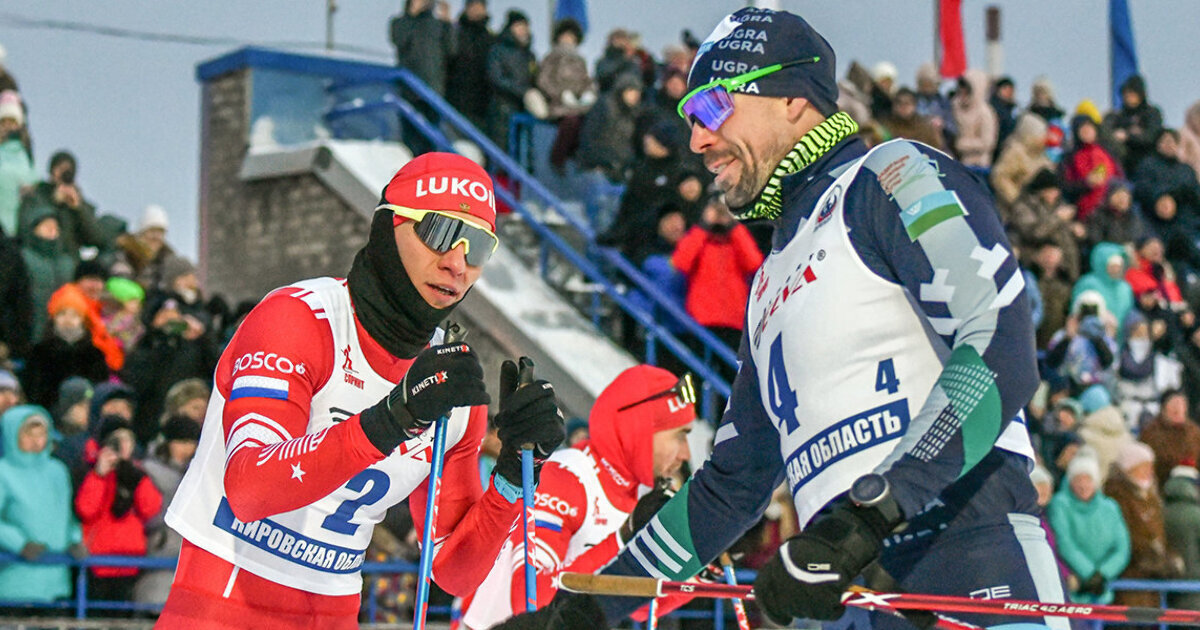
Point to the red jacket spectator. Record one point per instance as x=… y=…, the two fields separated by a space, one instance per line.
x=1088 y=169
x=1150 y=273
x=115 y=500
x=717 y=257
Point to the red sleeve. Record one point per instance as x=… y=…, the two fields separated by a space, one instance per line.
x=748 y=255
x=94 y=496
x=687 y=250
x=278 y=358
x=472 y=524
x=147 y=500
x=560 y=505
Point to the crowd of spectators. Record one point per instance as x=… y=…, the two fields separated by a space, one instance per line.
x=107 y=347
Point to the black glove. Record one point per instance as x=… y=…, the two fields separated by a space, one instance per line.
x=32 y=550
x=646 y=508
x=528 y=416
x=812 y=569
x=1096 y=585
x=567 y=611
x=441 y=378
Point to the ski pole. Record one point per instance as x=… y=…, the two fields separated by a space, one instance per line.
x=525 y=377
x=454 y=333
x=739 y=607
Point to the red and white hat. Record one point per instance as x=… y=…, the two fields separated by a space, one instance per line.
x=443 y=181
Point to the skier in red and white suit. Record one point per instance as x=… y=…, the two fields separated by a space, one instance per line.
x=587 y=503
x=317 y=423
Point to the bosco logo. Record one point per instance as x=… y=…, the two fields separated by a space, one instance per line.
x=555 y=504
x=268 y=361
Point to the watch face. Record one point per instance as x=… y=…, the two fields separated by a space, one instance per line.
x=868 y=488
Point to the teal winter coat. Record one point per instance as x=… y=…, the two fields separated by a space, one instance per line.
x=1118 y=296
x=1091 y=536
x=35 y=506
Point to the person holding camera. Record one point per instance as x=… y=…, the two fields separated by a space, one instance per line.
x=114 y=502
x=1085 y=350
x=60 y=193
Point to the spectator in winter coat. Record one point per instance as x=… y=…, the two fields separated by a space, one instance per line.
x=48 y=265
x=1084 y=351
x=1174 y=437
x=904 y=122
x=1132 y=485
x=1117 y=219
x=1189 y=138
x=10 y=390
x=1092 y=537
x=606 y=140
x=975 y=120
x=651 y=187
x=424 y=41
x=511 y=68
x=617 y=61
x=188 y=399
x=1041 y=102
x=718 y=257
x=114 y=502
x=1136 y=387
x=1103 y=429
x=467 y=86
x=147 y=251
x=1151 y=272
x=67 y=350
x=35 y=508
x=16 y=305
x=1177 y=231
x=16 y=169
x=71 y=420
x=1088 y=169
x=1181 y=516
x=1107 y=277
x=79 y=451
x=77 y=223
x=934 y=105
x=1003 y=101
x=165 y=466
x=1134 y=128
x=122 y=311
x=1040 y=215
x=1021 y=157
x=563 y=78
x=1160 y=174
x=1043 y=482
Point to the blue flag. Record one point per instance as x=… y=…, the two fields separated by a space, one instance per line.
x=574 y=9
x=1121 y=49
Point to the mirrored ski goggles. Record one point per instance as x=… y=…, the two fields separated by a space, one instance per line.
x=442 y=232
x=685 y=390
x=711 y=103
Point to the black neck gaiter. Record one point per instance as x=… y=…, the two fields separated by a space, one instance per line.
x=385 y=300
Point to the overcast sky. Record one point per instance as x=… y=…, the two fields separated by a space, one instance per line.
x=129 y=108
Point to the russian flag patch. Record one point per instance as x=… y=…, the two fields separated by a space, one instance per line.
x=259 y=387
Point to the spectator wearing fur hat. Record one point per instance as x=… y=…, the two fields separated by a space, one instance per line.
x=1174 y=437
x=16 y=168
x=1132 y=485
x=48 y=265
x=1091 y=534
x=188 y=399
x=1181 y=516
x=903 y=120
x=511 y=68
x=67 y=350
x=167 y=462
x=114 y=502
x=60 y=194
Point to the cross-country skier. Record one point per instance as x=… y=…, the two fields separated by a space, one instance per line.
x=319 y=419
x=587 y=504
x=887 y=355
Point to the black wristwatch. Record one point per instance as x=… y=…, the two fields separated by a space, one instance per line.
x=873 y=491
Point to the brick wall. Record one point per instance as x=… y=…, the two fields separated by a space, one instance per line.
x=262 y=234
